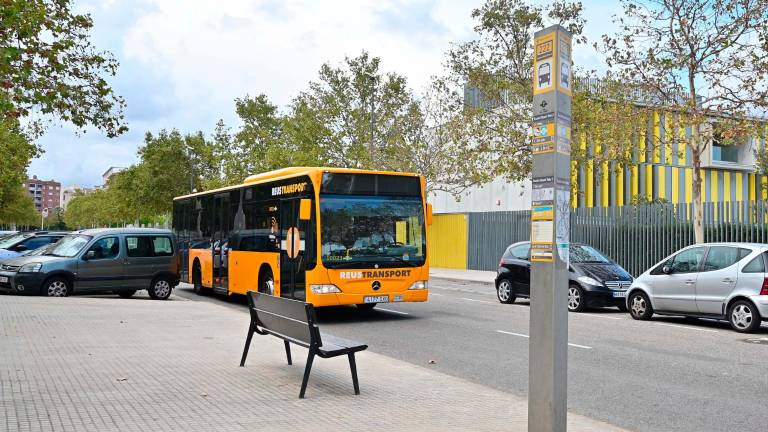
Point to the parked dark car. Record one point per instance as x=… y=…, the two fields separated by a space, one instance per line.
x=122 y=260
x=595 y=280
x=14 y=245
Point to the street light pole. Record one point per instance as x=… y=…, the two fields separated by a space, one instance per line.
x=550 y=231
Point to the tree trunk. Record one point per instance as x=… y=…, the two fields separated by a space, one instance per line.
x=698 y=206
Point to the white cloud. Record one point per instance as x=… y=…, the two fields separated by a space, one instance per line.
x=183 y=62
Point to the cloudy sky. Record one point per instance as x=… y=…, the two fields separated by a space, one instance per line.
x=183 y=62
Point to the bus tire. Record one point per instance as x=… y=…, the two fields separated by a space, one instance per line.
x=266 y=281
x=197 y=280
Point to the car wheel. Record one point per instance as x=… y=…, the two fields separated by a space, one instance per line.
x=576 y=300
x=744 y=317
x=639 y=306
x=57 y=287
x=504 y=292
x=267 y=282
x=365 y=307
x=160 y=289
x=126 y=294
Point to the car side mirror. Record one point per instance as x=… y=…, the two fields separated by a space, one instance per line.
x=89 y=255
x=666 y=269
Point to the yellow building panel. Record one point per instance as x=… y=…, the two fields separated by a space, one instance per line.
x=752 y=189
x=574 y=184
x=641 y=143
x=447 y=241
x=714 y=186
x=688 y=185
x=669 y=138
x=681 y=153
x=589 y=184
x=764 y=187
x=704 y=181
x=727 y=186
x=649 y=182
x=675 y=185
x=635 y=181
x=656 y=142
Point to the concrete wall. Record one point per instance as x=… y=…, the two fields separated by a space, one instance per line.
x=499 y=195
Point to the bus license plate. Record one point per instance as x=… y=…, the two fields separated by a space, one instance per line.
x=376 y=299
x=619 y=293
x=3 y=279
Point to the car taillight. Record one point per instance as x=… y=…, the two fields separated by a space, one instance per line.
x=764 y=290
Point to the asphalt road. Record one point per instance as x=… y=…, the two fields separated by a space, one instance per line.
x=668 y=374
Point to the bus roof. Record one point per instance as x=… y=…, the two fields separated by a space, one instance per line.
x=289 y=172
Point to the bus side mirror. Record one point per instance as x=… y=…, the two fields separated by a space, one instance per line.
x=429 y=214
x=305 y=209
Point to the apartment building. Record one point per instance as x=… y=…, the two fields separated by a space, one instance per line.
x=44 y=193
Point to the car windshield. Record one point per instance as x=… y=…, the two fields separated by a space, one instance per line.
x=69 y=246
x=587 y=254
x=362 y=231
x=7 y=242
x=42 y=250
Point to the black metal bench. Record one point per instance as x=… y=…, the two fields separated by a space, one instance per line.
x=293 y=321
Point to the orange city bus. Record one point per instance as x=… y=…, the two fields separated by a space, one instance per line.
x=327 y=236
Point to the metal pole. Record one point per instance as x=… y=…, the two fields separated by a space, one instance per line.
x=550 y=231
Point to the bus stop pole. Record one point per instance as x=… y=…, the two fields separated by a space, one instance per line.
x=550 y=213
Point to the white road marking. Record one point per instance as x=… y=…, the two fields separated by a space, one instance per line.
x=393 y=311
x=687 y=328
x=598 y=316
x=434 y=294
x=479 y=301
x=528 y=337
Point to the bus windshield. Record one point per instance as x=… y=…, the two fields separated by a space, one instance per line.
x=368 y=231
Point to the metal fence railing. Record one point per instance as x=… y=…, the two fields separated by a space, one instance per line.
x=636 y=237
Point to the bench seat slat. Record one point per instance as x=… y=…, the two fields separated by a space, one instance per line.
x=334 y=346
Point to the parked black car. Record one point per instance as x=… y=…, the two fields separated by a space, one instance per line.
x=595 y=280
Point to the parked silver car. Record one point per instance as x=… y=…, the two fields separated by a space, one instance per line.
x=716 y=280
x=122 y=260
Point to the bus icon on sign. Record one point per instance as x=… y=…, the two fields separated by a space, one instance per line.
x=545 y=74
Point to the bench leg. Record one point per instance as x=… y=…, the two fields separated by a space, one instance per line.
x=247 y=345
x=307 y=369
x=288 y=351
x=353 y=368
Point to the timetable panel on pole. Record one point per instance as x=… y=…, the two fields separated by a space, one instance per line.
x=550 y=210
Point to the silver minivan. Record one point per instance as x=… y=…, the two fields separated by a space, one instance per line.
x=122 y=260
x=725 y=281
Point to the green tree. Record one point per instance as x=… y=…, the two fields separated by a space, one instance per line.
x=705 y=59
x=48 y=64
x=498 y=67
x=256 y=147
x=17 y=151
x=18 y=209
x=351 y=115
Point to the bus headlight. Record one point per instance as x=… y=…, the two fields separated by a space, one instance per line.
x=324 y=289
x=418 y=285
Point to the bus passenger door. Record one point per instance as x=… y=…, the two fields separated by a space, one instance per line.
x=220 y=246
x=292 y=251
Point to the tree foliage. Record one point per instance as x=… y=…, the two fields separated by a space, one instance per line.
x=704 y=59
x=48 y=64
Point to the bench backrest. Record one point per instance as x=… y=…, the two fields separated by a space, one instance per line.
x=290 y=319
